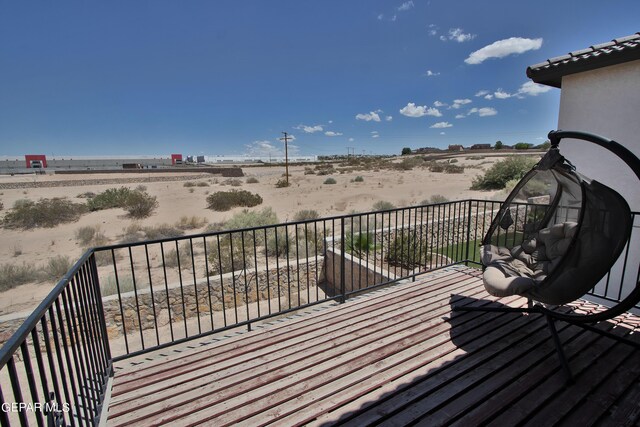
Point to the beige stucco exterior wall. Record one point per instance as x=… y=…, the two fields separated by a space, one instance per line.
x=606 y=101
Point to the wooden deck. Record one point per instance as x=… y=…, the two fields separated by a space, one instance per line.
x=397 y=356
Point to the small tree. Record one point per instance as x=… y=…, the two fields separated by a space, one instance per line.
x=522 y=146
x=499 y=145
x=406 y=151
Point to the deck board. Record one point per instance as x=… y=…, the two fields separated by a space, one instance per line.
x=396 y=356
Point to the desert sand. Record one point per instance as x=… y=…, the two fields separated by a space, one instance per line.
x=37 y=246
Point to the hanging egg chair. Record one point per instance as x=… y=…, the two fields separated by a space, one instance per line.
x=557 y=235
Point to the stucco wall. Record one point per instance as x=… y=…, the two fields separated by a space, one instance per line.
x=606 y=102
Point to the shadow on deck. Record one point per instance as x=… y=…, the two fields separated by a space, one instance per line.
x=396 y=356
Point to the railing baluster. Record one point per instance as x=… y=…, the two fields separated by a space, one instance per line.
x=184 y=306
x=166 y=289
x=26 y=358
x=206 y=270
x=135 y=293
x=17 y=391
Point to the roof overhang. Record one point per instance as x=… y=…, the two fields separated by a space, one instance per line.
x=618 y=51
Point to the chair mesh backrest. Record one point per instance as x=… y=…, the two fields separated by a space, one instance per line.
x=599 y=216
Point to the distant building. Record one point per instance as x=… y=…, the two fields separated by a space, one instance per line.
x=456 y=147
x=481 y=147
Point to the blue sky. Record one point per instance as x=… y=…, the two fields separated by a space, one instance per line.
x=227 y=77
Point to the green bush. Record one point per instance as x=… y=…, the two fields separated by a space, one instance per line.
x=202 y=184
x=222 y=259
x=523 y=146
x=110 y=198
x=359 y=244
x=359 y=179
x=436 y=167
x=282 y=183
x=226 y=200
x=405 y=250
x=140 y=205
x=497 y=176
x=46 y=213
x=329 y=181
x=189 y=184
x=438 y=198
x=284 y=244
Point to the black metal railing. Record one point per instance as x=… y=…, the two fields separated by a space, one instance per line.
x=54 y=370
x=125 y=300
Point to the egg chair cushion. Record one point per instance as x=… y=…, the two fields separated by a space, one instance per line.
x=517 y=270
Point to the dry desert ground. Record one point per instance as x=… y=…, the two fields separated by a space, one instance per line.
x=35 y=247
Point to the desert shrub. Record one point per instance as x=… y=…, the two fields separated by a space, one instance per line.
x=410 y=163
x=140 y=205
x=436 y=167
x=249 y=219
x=12 y=275
x=234 y=182
x=329 y=181
x=46 y=213
x=110 y=198
x=110 y=286
x=306 y=214
x=85 y=235
x=189 y=184
x=281 y=245
x=405 y=250
x=453 y=161
x=282 y=183
x=252 y=180
x=191 y=222
x=383 y=205
x=226 y=200
x=497 y=176
x=86 y=195
x=202 y=184
x=309 y=171
x=437 y=198
x=228 y=254
x=1 y=206
x=141 y=188
x=56 y=267
x=359 y=179
x=185 y=261
x=162 y=231
x=134 y=232
x=449 y=168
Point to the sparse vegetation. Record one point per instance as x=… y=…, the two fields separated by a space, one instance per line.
x=162 y=231
x=305 y=215
x=451 y=168
x=234 y=182
x=329 y=181
x=189 y=184
x=56 y=267
x=226 y=200
x=497 y=176
x=383 y=205
x=85 y=235
x=359 y=179
x=191 y=222
x=138 y=203
x=282 y=183
x=436 y=198
x=46 y=213
x=359 y=244
x=252 y=180
x=12 y=275
x=405 y=250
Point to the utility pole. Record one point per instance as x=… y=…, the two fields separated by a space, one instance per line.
x=286 y=156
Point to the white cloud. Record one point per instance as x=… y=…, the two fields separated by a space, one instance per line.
x=482 y=92
x=372 y=116
x=500 y=94
x=502 y=48
x=458 y=35
x=430 y=73
x=380 y=17
x=433 y=30
x=351 y=139
x=441 y=125
x=375 y=134
x=406 y=6
x=332 y=133
x=413 y=110
x=388 y=118
x=310 y=129
x=460 y=116
x=483 y=112
x=393 y=18
x=439 y=104
x=330 y=121
x=443 y=133
x=489 y=97
x=457 y=103
x=533 y=89
x=266 y=148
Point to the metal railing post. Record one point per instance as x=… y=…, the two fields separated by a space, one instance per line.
x=101 y=314
x=466 y=257
x=342 y=262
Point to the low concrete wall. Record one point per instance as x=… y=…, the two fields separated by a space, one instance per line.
x=358 y=274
